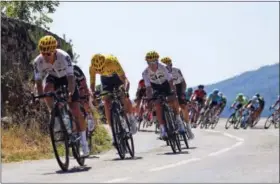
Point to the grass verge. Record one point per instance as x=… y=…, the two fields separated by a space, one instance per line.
x=19 y=144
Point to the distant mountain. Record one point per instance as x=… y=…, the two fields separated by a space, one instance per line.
x=264 y=81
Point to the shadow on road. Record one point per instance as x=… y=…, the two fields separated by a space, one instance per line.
x=72 y=170
x=125 y=159
x=171 y=153
x=93 y=157
x=146 y=131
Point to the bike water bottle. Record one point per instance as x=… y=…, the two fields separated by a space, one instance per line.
x=90 y=122
x=67 y=123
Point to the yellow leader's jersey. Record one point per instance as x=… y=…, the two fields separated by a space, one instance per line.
x=110 y=68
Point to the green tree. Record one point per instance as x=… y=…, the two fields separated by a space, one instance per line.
x=34 y=12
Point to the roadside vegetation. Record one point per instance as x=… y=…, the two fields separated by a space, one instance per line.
x=24 y=127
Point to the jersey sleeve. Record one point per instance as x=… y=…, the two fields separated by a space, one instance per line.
x=37 y=70
x=92 y=75
x=146 y=78
x=68 y=63
x=167 y=74
x=119 y=69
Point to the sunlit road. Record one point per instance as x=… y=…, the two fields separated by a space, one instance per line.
x=217 y=155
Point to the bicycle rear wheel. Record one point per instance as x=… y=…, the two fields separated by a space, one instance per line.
x=230 y=121
x=268 y=121
x=76 y=153
x=63 y=164
x=118 y=134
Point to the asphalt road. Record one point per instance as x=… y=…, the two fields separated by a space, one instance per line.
x=217 y=155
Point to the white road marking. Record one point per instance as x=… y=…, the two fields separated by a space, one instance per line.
x=214 y=131
x=225 y=149
x=117 y=180
x=174 y=165
x=234 y=137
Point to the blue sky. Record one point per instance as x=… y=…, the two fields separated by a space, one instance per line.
x=209 y=42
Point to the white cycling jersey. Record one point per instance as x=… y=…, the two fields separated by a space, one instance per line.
x=176 y=75
x=60 y=68
x=160 y=76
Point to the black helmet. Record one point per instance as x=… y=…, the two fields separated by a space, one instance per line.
x=200 y=86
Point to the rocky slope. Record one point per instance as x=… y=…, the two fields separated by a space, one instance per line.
x=18 y=49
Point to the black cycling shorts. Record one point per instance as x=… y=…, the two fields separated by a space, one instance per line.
x=212 y=104
x=239 y=106
x=180 y=94
x=58 y=82
x=161 y=89
x=109 y=83
x=140 y=93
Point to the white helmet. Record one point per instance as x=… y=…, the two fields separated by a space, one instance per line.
x=220 y=94
x=255 y=98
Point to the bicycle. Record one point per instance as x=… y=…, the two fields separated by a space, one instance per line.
x=208 y=118
x=119 y=122
x=273 y=118
x=246 y=119
x=65 y=119
x=170 y=126
x=233 y=118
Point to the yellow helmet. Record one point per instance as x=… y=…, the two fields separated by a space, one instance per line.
x=98 y=62
x=152 y=56
x=111 y=58
x=47 y=44
x=166 y=60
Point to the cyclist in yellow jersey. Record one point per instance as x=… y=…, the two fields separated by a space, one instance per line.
x=112 y=75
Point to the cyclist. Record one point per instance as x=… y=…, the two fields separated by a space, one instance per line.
x=262 y=103
x=240 y=101
x=253 y=104
x=57 y=64
x=213 y=100
x=199 y=95
x=180 y=85
x=84 y=93
x=140 y=93
x=189 y=93
x=112 y=75
x=275 y=104
x=223 y=102
x=158 y=80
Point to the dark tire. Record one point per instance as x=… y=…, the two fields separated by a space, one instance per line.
x=170 y=129
x=230 y=121
x=63 y=165
x=238 y=122
x=268 y=122
x=76 y=153
x=215 y=123
x=129 y=138
x=117 y=134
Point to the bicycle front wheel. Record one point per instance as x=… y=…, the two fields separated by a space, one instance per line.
x=60 y=151
x=118 y=134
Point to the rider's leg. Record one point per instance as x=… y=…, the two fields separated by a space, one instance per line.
x=79 y=118
x=49 y=87
x=159 y=116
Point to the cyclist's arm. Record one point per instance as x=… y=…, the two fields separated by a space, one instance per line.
x=147 y=84
x=122 y=76
x=92 y=75
x=184 y=86
x=169 y=79
x=70 y=74
x=38 y=78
